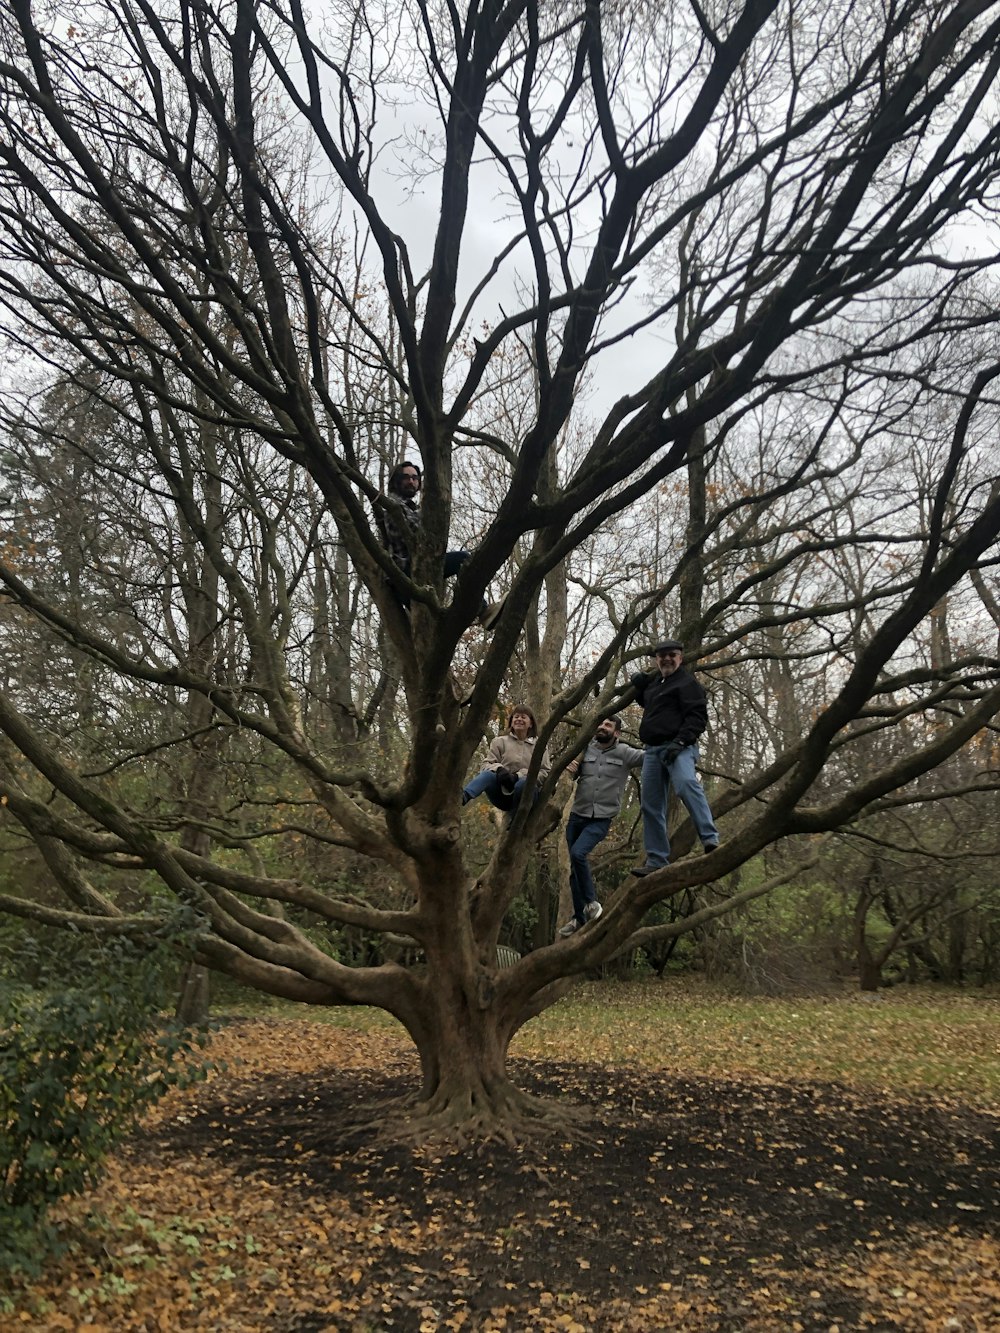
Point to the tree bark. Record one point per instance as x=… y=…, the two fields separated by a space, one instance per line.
x=194 y=996
x=869 y=967
x=466 y=1090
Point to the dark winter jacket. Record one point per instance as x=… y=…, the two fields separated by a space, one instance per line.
x=675 y=707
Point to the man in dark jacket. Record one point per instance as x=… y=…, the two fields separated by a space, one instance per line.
x=675 y=713
x=601 y=774
x=397 y=516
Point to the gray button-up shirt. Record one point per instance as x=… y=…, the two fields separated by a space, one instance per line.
x=602 y=777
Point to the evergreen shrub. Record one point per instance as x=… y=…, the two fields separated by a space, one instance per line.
x=80 y=1059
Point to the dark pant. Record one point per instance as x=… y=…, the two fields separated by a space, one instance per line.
x=583 y=833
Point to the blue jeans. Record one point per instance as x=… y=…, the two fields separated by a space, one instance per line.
x=583 y=833
x=487 y=783
x=657 y=777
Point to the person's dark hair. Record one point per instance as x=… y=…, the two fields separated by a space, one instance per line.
x=616 y=722
x=392 y=486
x=523 y=708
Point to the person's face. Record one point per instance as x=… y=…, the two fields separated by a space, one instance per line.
x=408 y=483
x=669 y=660
x=605 y=733
x=520 y=725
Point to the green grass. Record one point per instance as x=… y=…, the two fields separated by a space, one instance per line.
x=902 y=1041
x=352 y=1017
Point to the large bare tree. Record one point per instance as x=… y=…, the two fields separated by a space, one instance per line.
x=717 y=215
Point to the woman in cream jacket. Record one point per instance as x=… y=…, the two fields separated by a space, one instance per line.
x=502 y=777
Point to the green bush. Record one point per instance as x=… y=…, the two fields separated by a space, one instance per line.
x=79 y=1061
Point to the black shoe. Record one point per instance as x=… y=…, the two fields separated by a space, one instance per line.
x=647 y=869
x=711 y=847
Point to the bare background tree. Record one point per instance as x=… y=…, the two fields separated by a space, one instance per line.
x=690 y=321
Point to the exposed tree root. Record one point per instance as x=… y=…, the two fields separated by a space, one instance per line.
x=458 y=1131
x=462 y=1119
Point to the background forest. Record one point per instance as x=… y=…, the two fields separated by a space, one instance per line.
x=689 y=317
x=688 y=313
x=784 y=591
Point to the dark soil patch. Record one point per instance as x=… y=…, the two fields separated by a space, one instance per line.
x=703 y=1187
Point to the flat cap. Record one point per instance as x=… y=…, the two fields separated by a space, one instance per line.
x=667 y=645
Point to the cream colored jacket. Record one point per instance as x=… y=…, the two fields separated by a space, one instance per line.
x=508 y=752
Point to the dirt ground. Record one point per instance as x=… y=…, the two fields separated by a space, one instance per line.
x=731 y=1206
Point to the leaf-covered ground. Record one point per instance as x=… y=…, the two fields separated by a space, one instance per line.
x=694 y=1201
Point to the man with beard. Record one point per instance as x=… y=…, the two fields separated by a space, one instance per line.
x=397 y=515
x=601 y=773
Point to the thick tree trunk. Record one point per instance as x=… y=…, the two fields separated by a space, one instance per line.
x=958 y=939
x=200 y=781
x=466 y=1091
x=464 y=1070
x=462 y=1022
x=691 y=590
x=869 y=967
x=193 y=1000
x=869 y=964
x=468 y=1094
x=869 y=971
x=539 y=881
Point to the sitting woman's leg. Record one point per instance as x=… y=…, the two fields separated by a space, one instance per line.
x=484 y=783
x=518 y=792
